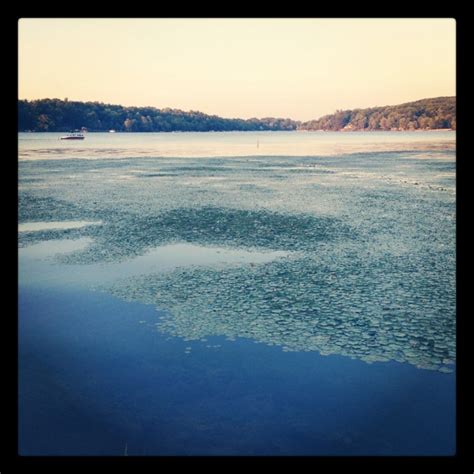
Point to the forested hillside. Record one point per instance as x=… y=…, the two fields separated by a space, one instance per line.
x=425 y=114
x=54 y=115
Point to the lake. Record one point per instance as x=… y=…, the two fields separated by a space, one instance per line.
x=237 y=293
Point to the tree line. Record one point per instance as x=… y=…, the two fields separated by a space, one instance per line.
x=55 y=115
x=425 y=114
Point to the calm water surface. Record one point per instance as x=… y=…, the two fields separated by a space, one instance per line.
x=212 y=144
x=237 y=293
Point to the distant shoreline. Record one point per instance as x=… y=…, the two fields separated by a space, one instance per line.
x=256 y=131
x=55 y=115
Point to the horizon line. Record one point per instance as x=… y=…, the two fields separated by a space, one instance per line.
x=66 y=99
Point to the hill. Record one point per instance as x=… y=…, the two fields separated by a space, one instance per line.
x=54 y=115
x=425 y=114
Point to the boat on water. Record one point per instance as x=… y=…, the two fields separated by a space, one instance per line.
x=111 y=131
x=73 y=136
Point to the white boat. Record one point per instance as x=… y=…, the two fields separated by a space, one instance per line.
x=111 y=131
x=73 y=136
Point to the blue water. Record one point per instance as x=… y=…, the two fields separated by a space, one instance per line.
x=92 y=381
x=264 y=304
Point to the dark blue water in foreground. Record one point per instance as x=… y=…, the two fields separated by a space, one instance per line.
x=309 y=288
x=94 y=382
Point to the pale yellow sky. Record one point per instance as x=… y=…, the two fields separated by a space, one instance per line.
x=297 y=68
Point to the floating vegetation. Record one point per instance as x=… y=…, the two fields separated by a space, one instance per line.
x=294 y=304
x=368 y=244
x=131 y=235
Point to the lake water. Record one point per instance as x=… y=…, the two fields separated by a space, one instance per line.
x=215 y=144
x=239 y=293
